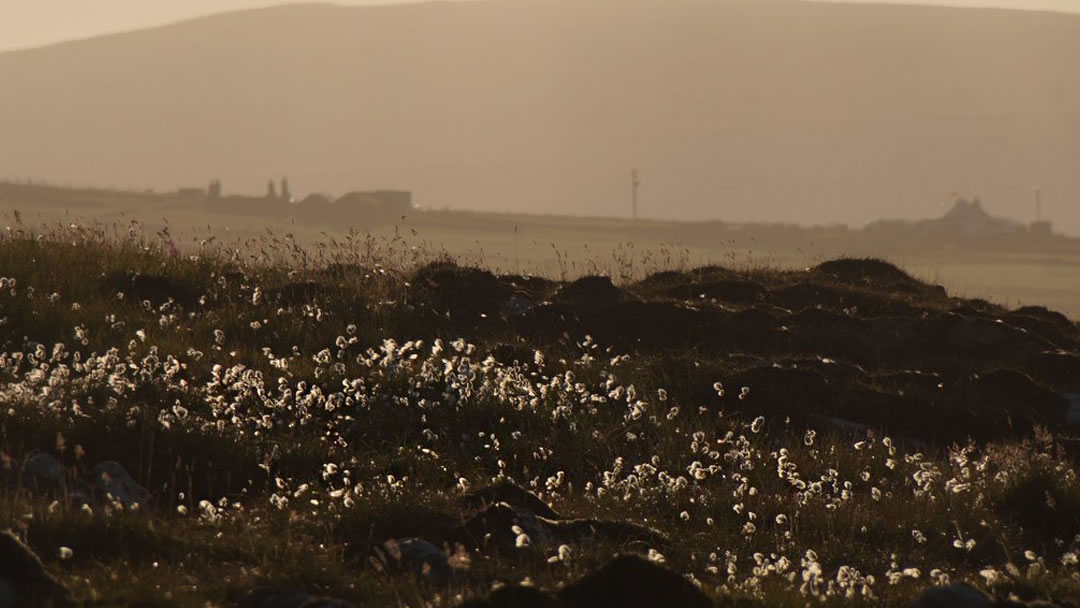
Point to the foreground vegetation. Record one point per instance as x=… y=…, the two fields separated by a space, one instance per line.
x=292 y=419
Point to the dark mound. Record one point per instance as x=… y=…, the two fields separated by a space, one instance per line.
x=662 y=280
x=1057 y=369
x=363 y=532
x=734 y=291
x=840 y=298
x=513 y=495
x=624 y=582
x=514 y=596
x=871 y=272
x=23 y=579
x=893 y=343
x=780 y=391
x=462 y=292
x=1052 y=326
x=157 y=289
x=414 y=556
x=1051 y=316
x=1006 y=402
x=266 y=597
x=633 y=326
x=632 y=582
x=591 y=293
x=1043 y=504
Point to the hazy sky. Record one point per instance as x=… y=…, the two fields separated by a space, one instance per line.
x=27 y=23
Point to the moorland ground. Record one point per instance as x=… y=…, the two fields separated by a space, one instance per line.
x=1041 y=272
x=384 y=424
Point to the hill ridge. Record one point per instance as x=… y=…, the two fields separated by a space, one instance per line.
x=730 y=110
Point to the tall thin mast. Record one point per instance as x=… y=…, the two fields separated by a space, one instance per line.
x=634 y=183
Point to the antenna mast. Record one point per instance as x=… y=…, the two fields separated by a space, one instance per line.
x=634 y=183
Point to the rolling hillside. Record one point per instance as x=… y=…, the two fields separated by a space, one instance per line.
x=739 y=110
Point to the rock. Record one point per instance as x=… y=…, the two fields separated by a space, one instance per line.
x=963 y=595
x=364 y=533
x=1072 y=416
x=24 y=582
x=1008 y=402
x=956 y=595
x=418 y=557
x=112 y=480
x=515 y=306
x=1057 y=369
x=591 y=293
x=530 y=287
x=977 y=307
x=497 y=525
x=44 y=474
x=514 y=596
x=633 y=582
x=624 y=582
x=512 y=494
x=276 y=598
x=925 y=385
x=44 y=469
x=575 y=531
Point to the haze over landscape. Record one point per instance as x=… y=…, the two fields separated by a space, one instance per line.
x=742 y=111
x=554 y=303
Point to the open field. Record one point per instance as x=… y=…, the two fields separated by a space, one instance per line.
x=375 y=422
x=569 y=247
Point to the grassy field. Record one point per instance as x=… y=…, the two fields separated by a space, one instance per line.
x=293 y=417
x=568 y=247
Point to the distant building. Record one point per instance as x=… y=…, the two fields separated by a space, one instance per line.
x=965 y=220
x=1040 y=228
x=969 y=219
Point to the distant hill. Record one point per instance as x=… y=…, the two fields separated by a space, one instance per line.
x=737 y=110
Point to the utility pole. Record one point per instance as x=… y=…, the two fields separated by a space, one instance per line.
x=634 y=183
x=1038 y=204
